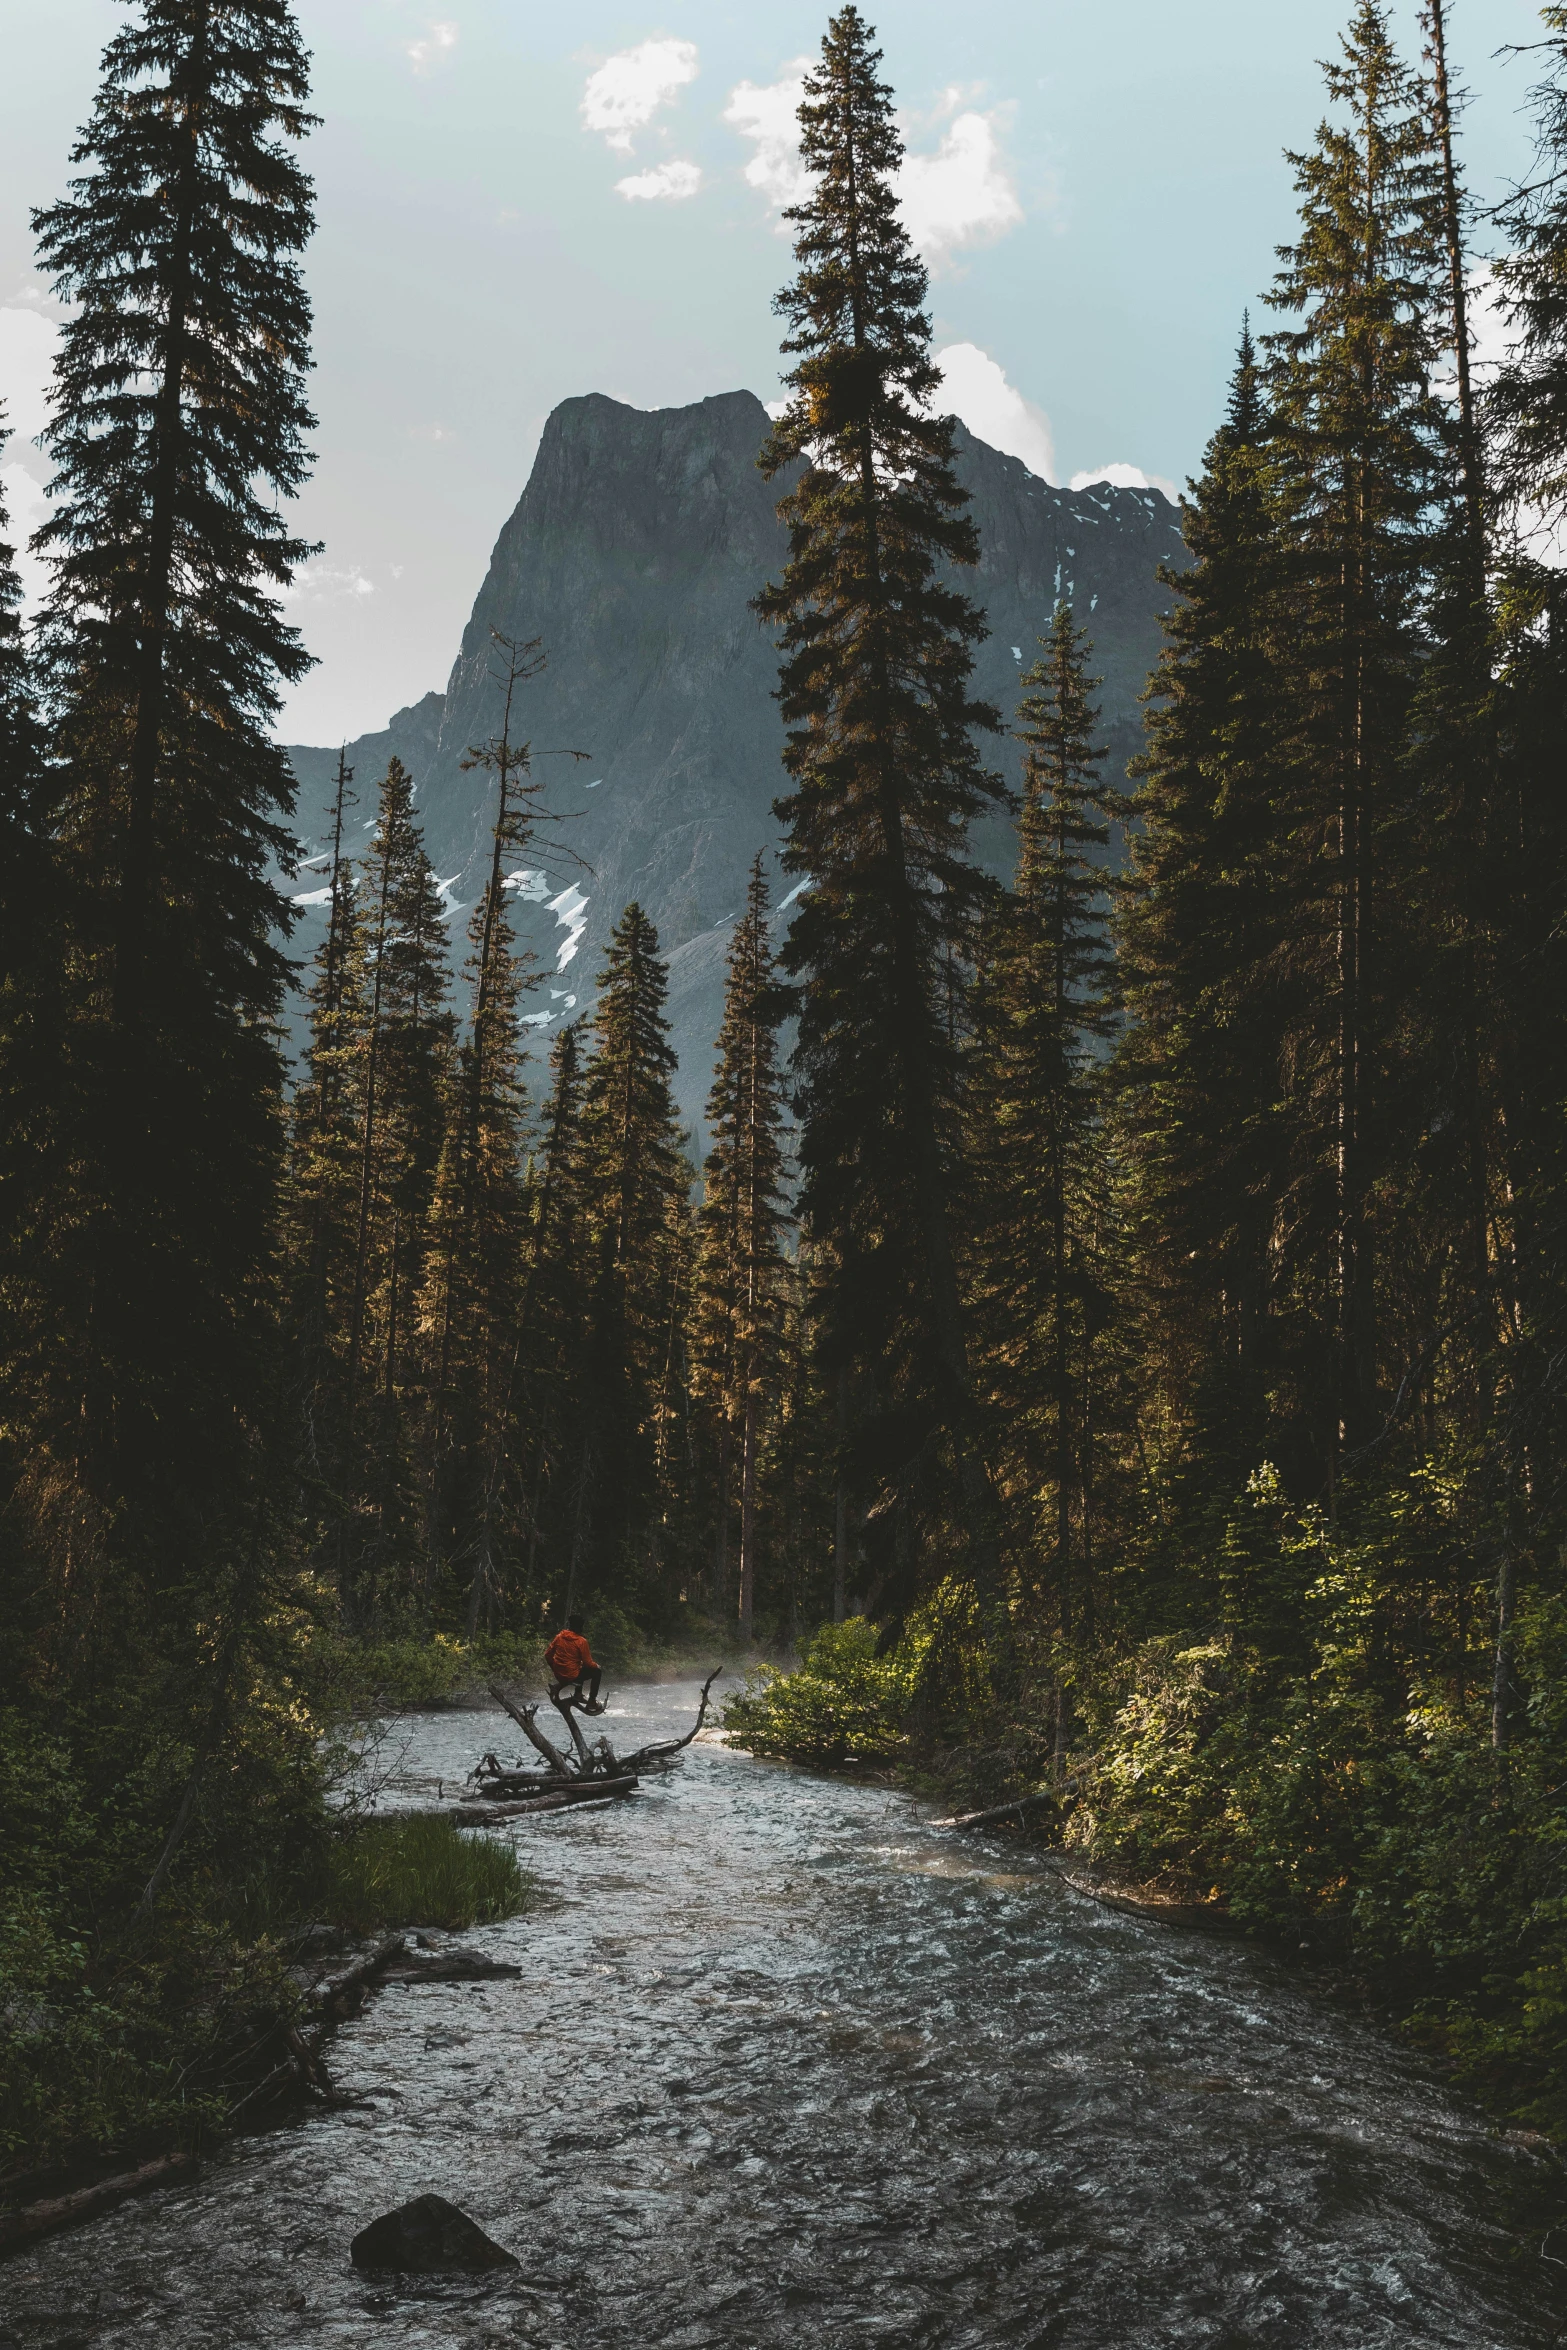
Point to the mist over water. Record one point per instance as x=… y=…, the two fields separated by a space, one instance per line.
x=788 y=2067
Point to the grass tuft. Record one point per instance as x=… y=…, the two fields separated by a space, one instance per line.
x=422 y=1872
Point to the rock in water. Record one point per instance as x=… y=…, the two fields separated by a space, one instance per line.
x=427 y=2234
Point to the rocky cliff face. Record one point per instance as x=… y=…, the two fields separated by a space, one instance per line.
x=633 y=553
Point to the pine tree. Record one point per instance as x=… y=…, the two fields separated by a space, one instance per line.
x=877 y=651
x=1206 y=1102
x=1526 y=410
x=396 y=980
x=475 y=1261
x=1526 y=402
x=30 y=960
x=741 y=1268
x=550 y=1398
x=320 y=1117
x=1045 y=1005
x=1358 y=423
x=634 y=1183
x=178 y=415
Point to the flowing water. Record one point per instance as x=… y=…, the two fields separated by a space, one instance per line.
x=789 y=2067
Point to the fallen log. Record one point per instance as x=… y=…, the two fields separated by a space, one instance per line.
x=998 y=1811
x=491 y=1815
x=36 y=2220
x=330 y=1997
x=451 y=1966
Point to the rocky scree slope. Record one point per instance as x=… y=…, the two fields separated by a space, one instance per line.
x=634 y=553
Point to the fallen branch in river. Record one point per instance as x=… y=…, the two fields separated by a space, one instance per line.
x=490 y=1815
x=300 y=2071
x=648 y=1754
x=332 y=1998
x=586 y=1771
x=523 y=1716
x=35 y=2220
x=999 y=1811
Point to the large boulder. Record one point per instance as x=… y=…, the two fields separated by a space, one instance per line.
x=427 y=2235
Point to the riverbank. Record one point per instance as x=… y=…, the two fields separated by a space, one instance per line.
x=176 y=2031
x=1401 y=1849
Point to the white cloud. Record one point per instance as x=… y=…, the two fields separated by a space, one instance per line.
x=974 y=386
x=769 y=115
x=962 y=194
x=327 y=583
x=1125 y=477
x=26 y=360
x=668 y=181
x=628 y=89
x=439 y=38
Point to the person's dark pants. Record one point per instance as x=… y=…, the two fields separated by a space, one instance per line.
x=585 y=1691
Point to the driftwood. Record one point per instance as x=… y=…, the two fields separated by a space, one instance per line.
x=35 y=2220
x=450 y=1966
x=333 y=1998
x=523 y=1716
x=585 y=1768
x=491 y=1815
x=651 y=1754
x=998 y=1811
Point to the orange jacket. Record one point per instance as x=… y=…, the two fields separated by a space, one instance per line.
x=569 y=1657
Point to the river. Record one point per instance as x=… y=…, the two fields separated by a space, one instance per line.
x=789 y=2067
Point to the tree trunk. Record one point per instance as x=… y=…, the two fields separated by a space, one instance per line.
x=748 y=1451
x=1501 y=1683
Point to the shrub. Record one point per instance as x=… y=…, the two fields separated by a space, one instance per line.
x=844 y=1704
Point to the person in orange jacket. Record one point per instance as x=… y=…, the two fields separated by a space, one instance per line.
x=570 y=1661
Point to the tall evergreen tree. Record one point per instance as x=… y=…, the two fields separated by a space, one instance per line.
x=1044 y=1009
x=1526 y=402
x=1526 y=409
x=550 y=1398
x=1357 y=419
x=1207 y=1103
x=396 y=980
x=877 y=652
x=30 y=958
x=474 y=1265
x=635 y=1180
x=741 y=1268
x=178 y=415
x=319 y=1203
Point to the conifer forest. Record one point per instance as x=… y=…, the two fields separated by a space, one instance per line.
x=1110 y=1345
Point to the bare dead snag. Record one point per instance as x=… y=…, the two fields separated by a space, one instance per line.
x=523 y=1716
x=648 y=1754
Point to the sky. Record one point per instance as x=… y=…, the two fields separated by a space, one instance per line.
x=519 y=202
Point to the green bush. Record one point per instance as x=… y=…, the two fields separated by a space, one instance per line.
x=420 y=1872
x=370 y=1676
x=844 y=1704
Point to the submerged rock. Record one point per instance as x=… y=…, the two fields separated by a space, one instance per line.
x=427 y=2234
